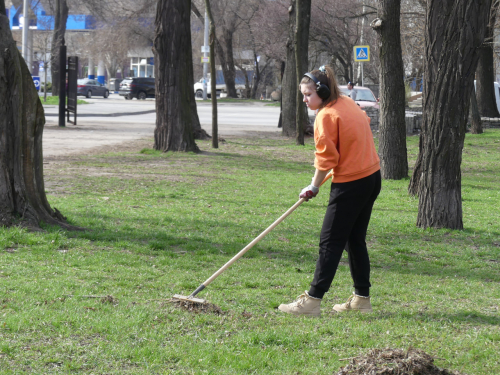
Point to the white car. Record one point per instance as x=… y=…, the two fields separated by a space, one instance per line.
x=364 y=96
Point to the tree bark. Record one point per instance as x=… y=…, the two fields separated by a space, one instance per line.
x=485 y=72
x=289 y=84
x=282 y=70
x=230 y=72
x=60 y=20
x=454 y=31
x=392 y=140
x=476 y=125
x=301 y=61
x=258 y=75
x=22 y=193
x=175 y=104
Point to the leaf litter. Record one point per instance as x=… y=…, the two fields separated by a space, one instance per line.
x=394 y=362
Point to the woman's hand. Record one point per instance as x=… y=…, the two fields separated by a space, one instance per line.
x=309 y=192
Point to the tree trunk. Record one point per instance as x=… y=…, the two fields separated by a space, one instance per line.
x=22 y=193
x=485 y=72
x=301 y=61
x=392 y=140
x=175 y=108
x=230 y=73
x=257 y=73
x=289 y=83
x=282 y=71
x=454 y=31
x=346 y=65
x=476 y=125
x=61 y=17
x=227 y=62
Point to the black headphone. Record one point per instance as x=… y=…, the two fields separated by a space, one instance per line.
x=321 y=89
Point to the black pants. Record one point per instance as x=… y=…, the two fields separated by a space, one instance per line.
x=344 y=227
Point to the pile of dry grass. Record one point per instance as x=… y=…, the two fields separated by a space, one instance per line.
x=394 y=362
x=197 y=307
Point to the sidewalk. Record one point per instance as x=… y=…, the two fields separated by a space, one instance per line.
x=113 y=106
x=111 y=121
x=116 y=106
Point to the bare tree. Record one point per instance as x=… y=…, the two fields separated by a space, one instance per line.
x=412 y=38
x=230 y=16
x=22 y=193
x=336 y=27
x=258 y=60
x=454 y=31
x=392 y=140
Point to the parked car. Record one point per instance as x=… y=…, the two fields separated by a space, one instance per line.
x=88 y=87
x=220 y=85
x=137 y=87
x=364 y=97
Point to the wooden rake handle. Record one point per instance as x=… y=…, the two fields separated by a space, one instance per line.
x=251 y=244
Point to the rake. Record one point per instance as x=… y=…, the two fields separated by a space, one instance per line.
x=191 y=298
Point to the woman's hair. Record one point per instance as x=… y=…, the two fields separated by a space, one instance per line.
x=326 y=76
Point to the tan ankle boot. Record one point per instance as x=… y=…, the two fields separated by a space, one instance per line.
x=305 y=305
x=355 y=303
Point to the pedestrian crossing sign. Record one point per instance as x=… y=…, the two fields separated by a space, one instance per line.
x=361 y=53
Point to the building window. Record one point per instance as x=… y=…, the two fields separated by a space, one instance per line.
x=142 y=67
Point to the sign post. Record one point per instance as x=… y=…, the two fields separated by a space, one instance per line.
x=72 y=86
x=62 y=85
x=362 y=54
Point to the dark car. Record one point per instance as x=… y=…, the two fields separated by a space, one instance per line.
x=88 y=87
x=137 y=87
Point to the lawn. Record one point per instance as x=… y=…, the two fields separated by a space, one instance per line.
x=54 y=100
x=97 y=301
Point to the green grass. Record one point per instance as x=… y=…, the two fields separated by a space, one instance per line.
x=159 y=224
x=54 y=100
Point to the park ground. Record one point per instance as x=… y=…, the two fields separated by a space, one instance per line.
x=97 y=301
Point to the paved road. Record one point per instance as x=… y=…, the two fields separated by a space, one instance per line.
x=115 y=120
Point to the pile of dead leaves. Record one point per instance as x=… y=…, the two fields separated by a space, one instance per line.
x=394 y=362
x=197 y=307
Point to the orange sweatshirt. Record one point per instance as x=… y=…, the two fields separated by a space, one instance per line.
x=344 y=141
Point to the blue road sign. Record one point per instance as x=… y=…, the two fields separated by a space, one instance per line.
x=361 y=53
x=36 y=81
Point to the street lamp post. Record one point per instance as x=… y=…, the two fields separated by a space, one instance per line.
x=205 y=54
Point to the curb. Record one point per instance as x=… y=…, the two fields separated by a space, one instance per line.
x=106 y=114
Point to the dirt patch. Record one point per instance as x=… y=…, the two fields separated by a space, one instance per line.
x=109 y=299
x=394 y=362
